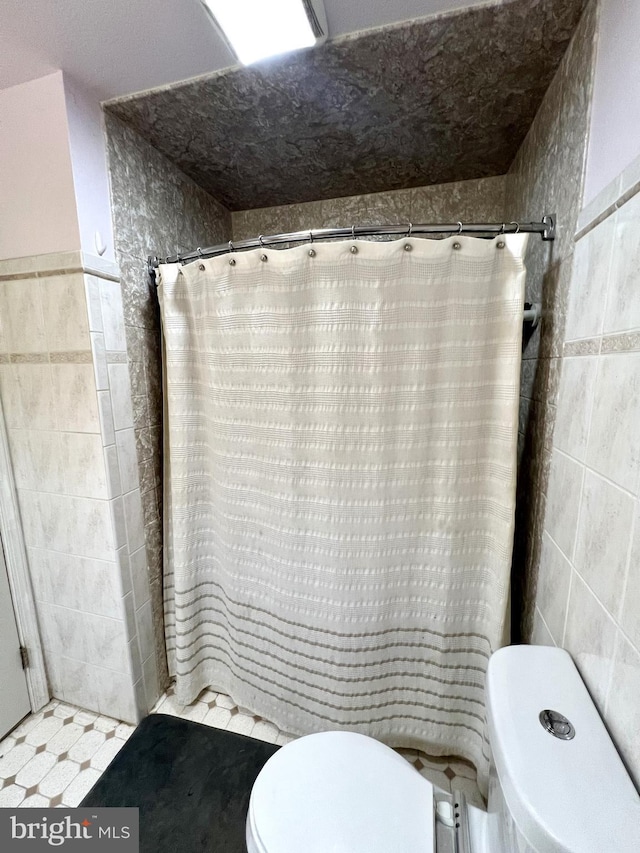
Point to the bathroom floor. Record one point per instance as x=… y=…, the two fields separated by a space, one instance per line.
x=55 y=756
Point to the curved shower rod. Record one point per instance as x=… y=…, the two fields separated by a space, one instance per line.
x=546 y=228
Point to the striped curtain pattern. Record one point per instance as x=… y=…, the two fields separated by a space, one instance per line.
x=340 y=444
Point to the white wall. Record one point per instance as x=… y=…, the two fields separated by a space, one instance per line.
x=87 y=142
x=38 y=211
x=615 y=117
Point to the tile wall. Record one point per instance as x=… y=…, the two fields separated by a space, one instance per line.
x=65 y=392
x=588 y=596
x=156 y=210
x=470 y=201
x=547 y=176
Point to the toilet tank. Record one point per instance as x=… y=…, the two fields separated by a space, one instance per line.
x=548 y=794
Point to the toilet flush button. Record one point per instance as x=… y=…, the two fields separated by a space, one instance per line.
x=557 y=724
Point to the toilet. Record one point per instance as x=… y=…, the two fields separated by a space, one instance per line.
x=557 y=784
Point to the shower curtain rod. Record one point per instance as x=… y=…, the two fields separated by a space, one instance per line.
x=546 y=228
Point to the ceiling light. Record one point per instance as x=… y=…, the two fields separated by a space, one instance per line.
x=257 y=29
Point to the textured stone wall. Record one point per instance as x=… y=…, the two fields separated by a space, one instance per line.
x=481 y=200
x=432 y=100
x=156 y=210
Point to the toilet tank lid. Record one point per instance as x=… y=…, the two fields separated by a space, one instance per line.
x=575 y=795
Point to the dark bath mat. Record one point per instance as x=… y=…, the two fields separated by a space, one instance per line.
x=191 y=783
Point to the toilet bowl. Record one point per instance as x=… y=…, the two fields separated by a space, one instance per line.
x=557 y=784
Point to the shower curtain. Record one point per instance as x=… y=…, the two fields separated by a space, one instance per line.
x=340 y=434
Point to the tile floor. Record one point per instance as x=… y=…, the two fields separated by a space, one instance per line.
x=55 y=756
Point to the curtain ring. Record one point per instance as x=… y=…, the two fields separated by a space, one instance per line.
x=502 y=229
x=199 y=251
x=517 y=224
x=459 y=227
x=261 y=241
x=410 y=230
x=231 y=246
x=353 y=232
x=311 y=237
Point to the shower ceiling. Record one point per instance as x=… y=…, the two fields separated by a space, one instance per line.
x=429 y=101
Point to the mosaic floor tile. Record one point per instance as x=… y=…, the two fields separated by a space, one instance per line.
x=84 y=748
x=223 y=701
x=242 y=724
x=66 y=711
x=58 y=778
x=80 y=786
x=219 y=718
x=37 y=801
x=124 y=730
x=35 y=770
x=16 y=759
x=44 y=731
x=105 y=724
x=11 y=797
x=265 y=731
x=107 y=752
x=169 y=705
x=208 y=696
x=195 y=712
x=86 y=718
x=55 y=756
x=5 y=745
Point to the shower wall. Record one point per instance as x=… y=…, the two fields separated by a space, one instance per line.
x=156 y=210
x=480 y=201
x=547 y=176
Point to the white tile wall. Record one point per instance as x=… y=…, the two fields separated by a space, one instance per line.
x=588 y=597
x=623 y=306
x=602 y=544
x=37 y=460
x=63 y=305
x=83 y=584
x=614 y=440
x=83 y=465
x=587 y=295
x=553 y=588
x=563 y=500
x=575 y=398
x=121 y=396
x=22 y=317
x=99 y=353
x=74 y=392
x=127 y=456
x=27 y=397
x=590 y=635
x=112 y=316
x=63 y=401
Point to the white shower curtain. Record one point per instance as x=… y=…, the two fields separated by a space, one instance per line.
x=340 y=440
